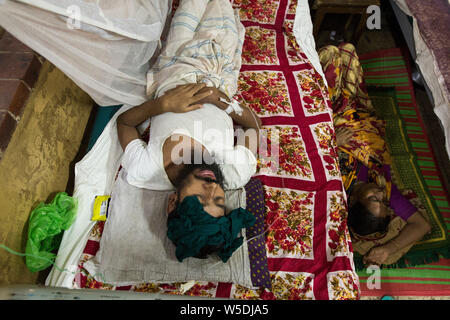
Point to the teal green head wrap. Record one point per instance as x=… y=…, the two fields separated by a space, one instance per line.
x=191 y=228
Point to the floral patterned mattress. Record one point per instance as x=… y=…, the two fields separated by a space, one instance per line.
x=309 y=254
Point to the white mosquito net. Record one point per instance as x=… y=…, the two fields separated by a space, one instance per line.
x=104 y=46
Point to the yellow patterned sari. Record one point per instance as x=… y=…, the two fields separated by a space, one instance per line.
x=353 y=109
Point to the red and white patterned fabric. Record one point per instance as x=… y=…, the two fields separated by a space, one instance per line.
x=308 y=245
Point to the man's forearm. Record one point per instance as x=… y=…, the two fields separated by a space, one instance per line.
x=135 y=116
x=130 y=119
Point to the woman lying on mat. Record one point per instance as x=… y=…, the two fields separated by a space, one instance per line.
x=191 y=149
x=364 y=160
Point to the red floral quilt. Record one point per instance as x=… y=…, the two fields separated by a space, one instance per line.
x=307 y=240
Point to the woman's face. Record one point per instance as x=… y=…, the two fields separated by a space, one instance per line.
x=372 y=197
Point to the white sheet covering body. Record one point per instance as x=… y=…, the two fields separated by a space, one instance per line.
x=95 y=173
x=104 y=46
x=204 y=44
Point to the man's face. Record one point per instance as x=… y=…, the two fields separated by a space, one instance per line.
x=373 y=198
x=203 y=185
x=206 y=183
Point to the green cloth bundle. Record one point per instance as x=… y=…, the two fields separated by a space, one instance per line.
x=191 y=228
x=46 y=224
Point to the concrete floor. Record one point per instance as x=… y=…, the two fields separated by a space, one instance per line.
x=37 y=163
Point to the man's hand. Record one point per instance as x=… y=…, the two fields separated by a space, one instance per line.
x=214 y=97
x=180 y=99
x=343 y=136
x=184 y=98
x=249 y=119
x=377 y=255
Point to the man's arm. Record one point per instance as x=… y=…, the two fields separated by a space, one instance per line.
x=416 y=227
x=180 y=99
x=130 y=119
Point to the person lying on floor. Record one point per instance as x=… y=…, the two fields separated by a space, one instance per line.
x=191 y=148
x=162 y=163
x=364 y=161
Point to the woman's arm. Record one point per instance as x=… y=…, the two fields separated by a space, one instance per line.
x=416 y=227
x=183 y=98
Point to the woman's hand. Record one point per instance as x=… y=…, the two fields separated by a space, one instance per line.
x=343 y=136
x=184 y=98
x=377 y=255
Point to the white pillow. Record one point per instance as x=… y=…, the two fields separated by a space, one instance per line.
x=134 y=247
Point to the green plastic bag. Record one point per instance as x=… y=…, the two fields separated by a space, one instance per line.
x=46 y=225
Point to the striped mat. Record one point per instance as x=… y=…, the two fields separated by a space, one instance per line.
x=415 y=166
